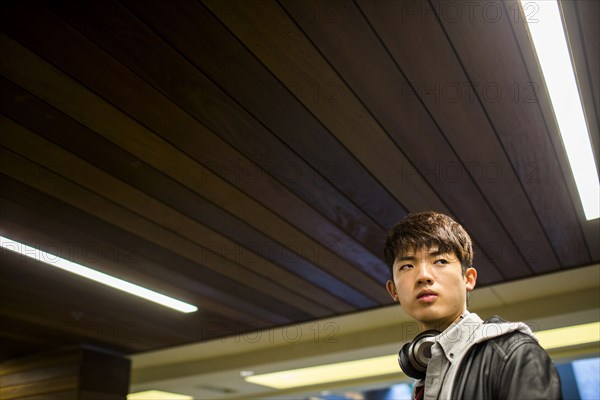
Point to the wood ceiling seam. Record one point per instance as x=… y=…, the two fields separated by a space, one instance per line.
x=374 y=263
x=481 y=255
x=73 y=84
x=22 y=174
x=173 y=43
x=551 y=133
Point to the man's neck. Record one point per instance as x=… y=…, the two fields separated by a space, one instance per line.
x=441 y=325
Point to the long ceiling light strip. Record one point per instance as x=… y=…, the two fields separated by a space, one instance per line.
x=157 y=395
x=385 y=365
x=549 y=39
x=343 y=371
x=94 y=275
x=569 y=336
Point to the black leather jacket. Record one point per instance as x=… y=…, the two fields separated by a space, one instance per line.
x=512 y=366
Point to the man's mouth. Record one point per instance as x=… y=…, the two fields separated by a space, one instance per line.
x=427 y=296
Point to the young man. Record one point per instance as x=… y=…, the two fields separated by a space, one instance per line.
x=457 y=355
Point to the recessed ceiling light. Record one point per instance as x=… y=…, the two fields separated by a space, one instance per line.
x=157 y=395
x=548 y=35
x=94 y=275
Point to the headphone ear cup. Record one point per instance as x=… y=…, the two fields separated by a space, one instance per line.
x=405 y=364
x=414 y=356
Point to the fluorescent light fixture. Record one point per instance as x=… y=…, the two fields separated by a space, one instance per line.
x=549 y=39
x=386 y=365
x=569 y=336
x=94 y=275
x=157 y=395
x=343 y=371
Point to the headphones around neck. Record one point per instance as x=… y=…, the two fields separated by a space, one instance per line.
x=414 y=356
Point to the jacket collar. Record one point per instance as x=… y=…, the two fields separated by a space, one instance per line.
x=460 y=335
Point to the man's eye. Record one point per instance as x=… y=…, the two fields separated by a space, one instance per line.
x=405 y=266
x=441 y=261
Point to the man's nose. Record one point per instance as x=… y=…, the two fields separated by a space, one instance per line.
x=424 y=273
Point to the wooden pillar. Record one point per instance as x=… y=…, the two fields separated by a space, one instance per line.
x=74 y=373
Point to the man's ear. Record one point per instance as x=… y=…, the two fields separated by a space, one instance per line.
x=391 y=288
x=470 y=278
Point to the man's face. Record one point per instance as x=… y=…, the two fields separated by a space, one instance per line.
x=430 y=286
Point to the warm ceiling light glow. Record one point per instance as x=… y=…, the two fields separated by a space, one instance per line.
x=157 y=395
x=569 y=336
x=549 y=39
x=329 y=373
x=386 y=365
x=94 y=275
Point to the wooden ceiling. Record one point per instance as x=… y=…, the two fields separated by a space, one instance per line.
x=248 y=157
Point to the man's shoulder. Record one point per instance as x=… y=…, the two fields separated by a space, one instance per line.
x=508 y=342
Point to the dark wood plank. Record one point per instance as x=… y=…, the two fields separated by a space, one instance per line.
x=59 y=128
x=185 y=25
x=20 y=339
x=40 y=374
x=74 y=369
x=34 y=362
x=173 y=161
x=39 y=388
